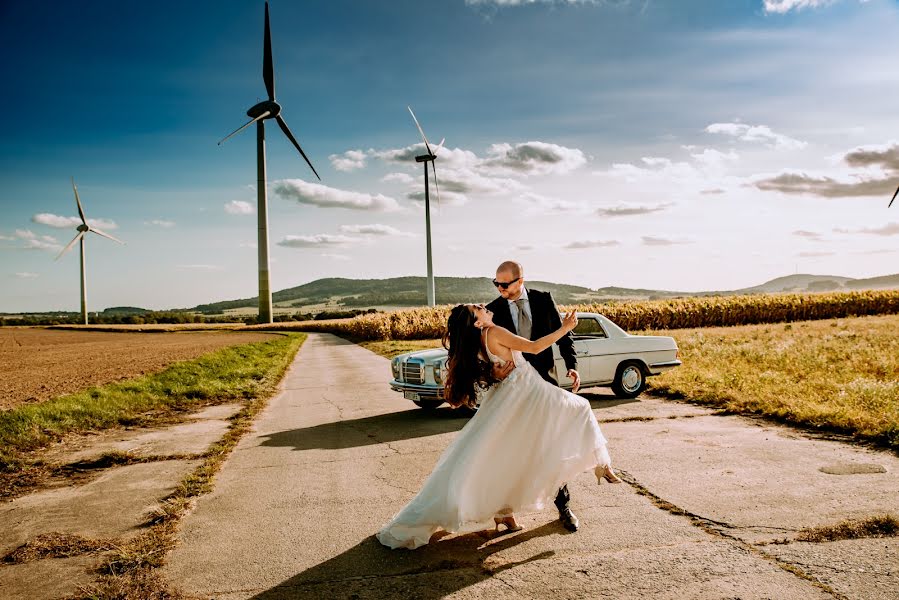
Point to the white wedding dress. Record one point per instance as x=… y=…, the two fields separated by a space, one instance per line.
x=527 y=439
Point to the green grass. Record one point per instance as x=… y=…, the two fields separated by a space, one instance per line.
x=232 y=374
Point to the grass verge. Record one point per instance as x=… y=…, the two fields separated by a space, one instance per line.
x=130 y=571
x=235 y=373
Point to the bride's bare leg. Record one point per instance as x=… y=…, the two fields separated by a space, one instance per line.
x=606 y=472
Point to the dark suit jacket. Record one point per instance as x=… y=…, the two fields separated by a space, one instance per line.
x=544 y=319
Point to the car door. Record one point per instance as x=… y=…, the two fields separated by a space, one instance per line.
x=592 y=345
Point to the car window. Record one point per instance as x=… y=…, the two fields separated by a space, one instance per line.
x=588 y=328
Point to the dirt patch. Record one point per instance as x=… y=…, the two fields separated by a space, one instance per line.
x=39 y=364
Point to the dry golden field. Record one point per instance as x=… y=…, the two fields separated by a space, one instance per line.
x=711 y=311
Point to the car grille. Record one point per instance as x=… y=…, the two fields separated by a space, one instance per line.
x=413 y=372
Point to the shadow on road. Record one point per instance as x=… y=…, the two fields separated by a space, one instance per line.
x=445 y=566
x=377 y=429
x=391 y=427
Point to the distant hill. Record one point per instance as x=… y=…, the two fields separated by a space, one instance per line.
x=398 y=291
x=410 y=291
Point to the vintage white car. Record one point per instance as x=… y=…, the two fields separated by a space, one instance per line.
x=607 y=356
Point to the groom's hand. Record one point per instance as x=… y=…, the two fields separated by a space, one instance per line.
x=502 y=370
x=577 y=380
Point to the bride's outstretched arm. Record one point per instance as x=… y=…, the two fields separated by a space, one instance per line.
x=511 y=341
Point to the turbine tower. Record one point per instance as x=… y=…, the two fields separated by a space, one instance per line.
x=83 y=230
x=267 y=109
x=430 y=157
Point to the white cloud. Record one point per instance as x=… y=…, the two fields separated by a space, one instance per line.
x=757 y=133
x=785 y=6
x=649 y=240
x=533 y=158
x=200 y=267
x=398 y=177
x=624 y=210
x=335 y=256
x=323 y=196
x=160 y=223
x=583 y=245
x=875 y=169
x=810 y=235
x=350 y=160
x=239 y=207
x=27 y=275
x=316 y=241
x=59 y=222
x=446 y=157
x=815 y=254
x=888 y=229
x=537 y=204
x=32 y=241
x=374 y=229
x=248 y=245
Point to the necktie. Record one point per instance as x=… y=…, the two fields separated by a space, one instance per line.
x=524 y=321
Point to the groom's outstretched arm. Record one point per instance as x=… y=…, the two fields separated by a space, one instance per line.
x=566 y=344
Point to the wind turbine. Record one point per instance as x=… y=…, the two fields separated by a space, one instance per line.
x=894 y=197
x=267 y=109
x=83 y=230
x=430 y=157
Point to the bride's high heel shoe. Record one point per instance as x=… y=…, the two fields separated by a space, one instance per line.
x=509 y=522
x=606 y=472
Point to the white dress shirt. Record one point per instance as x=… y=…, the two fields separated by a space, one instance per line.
x=513 y=308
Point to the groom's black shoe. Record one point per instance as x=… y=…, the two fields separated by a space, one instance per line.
x=568 y=519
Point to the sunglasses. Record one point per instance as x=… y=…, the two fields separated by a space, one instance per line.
x=504 y=284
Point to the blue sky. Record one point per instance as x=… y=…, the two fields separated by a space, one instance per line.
x=691 y=145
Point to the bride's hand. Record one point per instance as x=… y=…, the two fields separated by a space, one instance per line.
x=570 y=321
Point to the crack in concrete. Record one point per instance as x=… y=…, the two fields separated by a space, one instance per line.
x=640 y=419
x=715 y=528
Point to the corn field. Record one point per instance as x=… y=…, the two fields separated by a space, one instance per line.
x=681 y=313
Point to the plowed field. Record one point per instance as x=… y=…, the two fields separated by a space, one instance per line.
x=38 y=364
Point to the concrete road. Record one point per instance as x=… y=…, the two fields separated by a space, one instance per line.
x=337 y=453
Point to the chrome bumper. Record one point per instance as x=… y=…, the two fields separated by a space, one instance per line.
x=425 y=392
x=661 y=367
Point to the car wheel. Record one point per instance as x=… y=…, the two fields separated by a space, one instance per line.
x=629 y=380
x=427 y=404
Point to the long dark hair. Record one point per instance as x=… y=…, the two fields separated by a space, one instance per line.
x=467 y=370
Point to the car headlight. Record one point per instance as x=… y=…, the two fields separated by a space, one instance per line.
x=395 y=367
x=438 y=372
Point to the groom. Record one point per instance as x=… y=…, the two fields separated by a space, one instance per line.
x=533 y=314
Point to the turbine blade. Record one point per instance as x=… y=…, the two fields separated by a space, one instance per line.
x=289 y=135
x=268 y=68
x=436 y=188
x=242 y=127
x=420 y=130
x=69 y=247
x=106 y=235
x=78 y=201
x=894 y=197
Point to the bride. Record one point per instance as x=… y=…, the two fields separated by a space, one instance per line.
x=527 y=439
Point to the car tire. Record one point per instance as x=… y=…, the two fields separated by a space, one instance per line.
x=427 y=404
x=630 y=380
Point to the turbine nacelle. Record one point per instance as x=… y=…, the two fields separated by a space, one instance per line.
x=266 y=106
x=83 y=228
x=426 y=158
